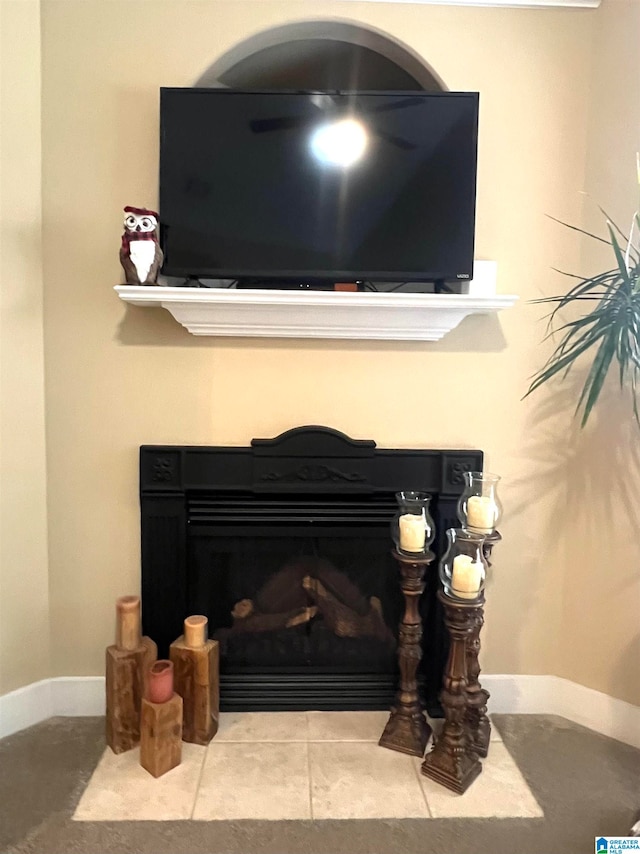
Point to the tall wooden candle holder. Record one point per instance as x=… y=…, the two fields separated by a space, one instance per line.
x=127 y=664
x=196 y=678
x=407 y=729
x=452 y=761
x=478 y=723
x=476 y=719
x=160 y=722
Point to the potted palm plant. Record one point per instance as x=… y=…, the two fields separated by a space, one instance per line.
x=609 y=326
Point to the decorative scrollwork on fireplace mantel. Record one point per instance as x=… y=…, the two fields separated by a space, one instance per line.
x=313 y=474
x=454 y=468
x=457 y=471
x=163 y=469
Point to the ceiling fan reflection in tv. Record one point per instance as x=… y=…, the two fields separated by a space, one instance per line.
x=335 y=114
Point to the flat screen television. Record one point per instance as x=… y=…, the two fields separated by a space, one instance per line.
x=267 y=187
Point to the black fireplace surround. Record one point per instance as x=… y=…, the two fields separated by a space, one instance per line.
x=285 y=547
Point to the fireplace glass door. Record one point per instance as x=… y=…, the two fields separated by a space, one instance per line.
x=296 y=588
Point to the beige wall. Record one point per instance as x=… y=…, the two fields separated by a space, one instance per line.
x=118 y=377
x=24 y=594
x=601 y=469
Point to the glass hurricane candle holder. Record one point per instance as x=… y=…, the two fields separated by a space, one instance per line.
x=412 y=528
x=463 y=568
x=479 y=508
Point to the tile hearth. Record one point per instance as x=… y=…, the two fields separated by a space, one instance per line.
x=298 y=765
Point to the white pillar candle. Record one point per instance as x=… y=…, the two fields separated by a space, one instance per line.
x=481 y=512
x=466 y=577
x=412 y=532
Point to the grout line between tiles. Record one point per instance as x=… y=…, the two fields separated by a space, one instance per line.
x=308 y=724
x=310 y=782
x=416 y=768
x=195 y=797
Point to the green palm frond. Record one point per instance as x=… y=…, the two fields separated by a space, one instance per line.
x=610 y=324
x=577 y=228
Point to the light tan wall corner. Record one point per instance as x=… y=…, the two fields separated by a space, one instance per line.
x=600 y=525
x=24 y=593
x=119 y=377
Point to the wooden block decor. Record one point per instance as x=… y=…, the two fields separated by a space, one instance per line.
x=160 y=722
x=125 y=687
x=161 y=735
x=196 y=679
x=127 y=665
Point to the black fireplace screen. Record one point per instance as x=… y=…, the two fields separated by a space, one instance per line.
x=285 y=547
x=298 y=601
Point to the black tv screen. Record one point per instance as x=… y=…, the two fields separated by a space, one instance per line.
x=270 y=186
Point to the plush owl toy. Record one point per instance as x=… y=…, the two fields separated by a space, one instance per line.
x=140 y=253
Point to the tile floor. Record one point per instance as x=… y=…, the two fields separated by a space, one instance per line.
x=298 y=765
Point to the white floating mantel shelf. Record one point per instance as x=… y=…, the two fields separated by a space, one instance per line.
x=315 y=314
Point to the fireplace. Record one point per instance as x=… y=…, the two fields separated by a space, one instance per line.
x=285 y=546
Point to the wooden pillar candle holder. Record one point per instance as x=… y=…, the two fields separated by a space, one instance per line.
x=196 y=678
x=478 y=723
x=127 y=663
x=407 y=729
x=452 y=761
x=476 y=719
x=160 y=722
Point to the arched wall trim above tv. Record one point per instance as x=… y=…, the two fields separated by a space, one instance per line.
x=301 y=54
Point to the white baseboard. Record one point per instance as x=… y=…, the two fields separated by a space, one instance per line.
x=552 y=695
x=25 y=707
x=75 y=696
